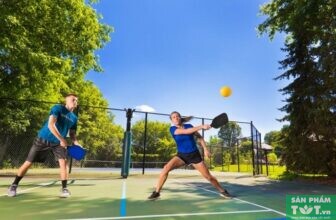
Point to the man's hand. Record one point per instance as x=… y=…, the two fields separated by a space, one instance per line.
x=64 y=143
x=77 y=143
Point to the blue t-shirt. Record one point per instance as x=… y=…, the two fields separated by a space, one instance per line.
x=66 y=120
x=185 y=142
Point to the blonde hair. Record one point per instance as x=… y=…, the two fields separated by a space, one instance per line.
x=71 y=94
x=183 y=119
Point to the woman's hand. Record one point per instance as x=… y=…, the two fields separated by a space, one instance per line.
x=206 y=127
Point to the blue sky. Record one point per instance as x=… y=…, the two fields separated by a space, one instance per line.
x=176 y=55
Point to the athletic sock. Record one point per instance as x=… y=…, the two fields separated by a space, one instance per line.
x=17 y=180
x=64 y=183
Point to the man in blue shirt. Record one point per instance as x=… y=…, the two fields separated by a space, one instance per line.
x=187 y=153
x=51 y=137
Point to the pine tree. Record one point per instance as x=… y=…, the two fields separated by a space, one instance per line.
x=310 y=66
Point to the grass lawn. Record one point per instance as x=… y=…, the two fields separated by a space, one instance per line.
x=274 y=171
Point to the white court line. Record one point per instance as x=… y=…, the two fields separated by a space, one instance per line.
x=265 y=209
x=36 y=187
x=123 y=194
x=169 y=215
x=123 y=200
x=240 y=200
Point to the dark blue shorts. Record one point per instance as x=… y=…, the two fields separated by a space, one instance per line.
x=189 y=158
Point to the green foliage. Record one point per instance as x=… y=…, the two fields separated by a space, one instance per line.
x=151 y=160
x=310 y=64
x=230 y=133
x=227 y=159
x=96 y=128
x=274 y=138
x=215 y=146
x=222 y=154
x=159 y=140
x=6 y=164
x=272 y=158
x=277 y=172
x=274 y=171
x=46 y=49
x=245 y=151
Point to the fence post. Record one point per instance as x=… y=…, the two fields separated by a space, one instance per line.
x=238 y=155
x=144 y=145
x=260 y=153
x=252 y=147
x=266 y=160
x=127 y=145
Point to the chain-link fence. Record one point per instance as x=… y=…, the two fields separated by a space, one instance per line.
x=236 y=147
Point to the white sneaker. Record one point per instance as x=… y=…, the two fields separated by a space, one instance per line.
x=65 y=193
x=12 y=190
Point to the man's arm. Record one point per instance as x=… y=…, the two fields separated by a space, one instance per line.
x=53 y=129
x=73 y=136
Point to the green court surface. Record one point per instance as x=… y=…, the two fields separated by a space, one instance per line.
x=186 y=195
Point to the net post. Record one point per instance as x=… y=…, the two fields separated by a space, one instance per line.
x=127 y=145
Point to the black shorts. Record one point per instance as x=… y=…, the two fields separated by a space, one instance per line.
x=41 y=148
x=189 y=158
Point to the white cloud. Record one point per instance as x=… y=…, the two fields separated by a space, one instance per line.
x=144 y=108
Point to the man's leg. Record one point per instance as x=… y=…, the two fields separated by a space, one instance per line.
x=24 y=168
x=63 y=169
x=64 y=178
x=37 y=152
x=21 y=172
x=61 y=155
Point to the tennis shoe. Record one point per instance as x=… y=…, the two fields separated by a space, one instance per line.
x=225 y=194
x=154 y=195
x=12 y=190
x=65 y=193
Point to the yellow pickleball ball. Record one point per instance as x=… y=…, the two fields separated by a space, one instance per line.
x=225 y=91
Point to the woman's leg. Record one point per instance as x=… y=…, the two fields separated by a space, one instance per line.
x=206 y=174
x=175 y=162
